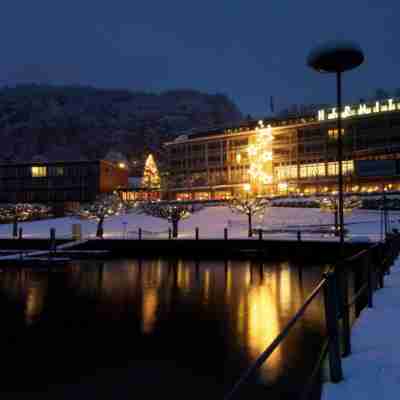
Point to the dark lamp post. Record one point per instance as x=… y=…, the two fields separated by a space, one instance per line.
x=337 y=58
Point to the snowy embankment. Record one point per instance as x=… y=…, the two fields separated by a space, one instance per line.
x=372 y=371
x=211 y=222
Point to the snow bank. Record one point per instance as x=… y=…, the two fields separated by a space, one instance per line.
x=211 y=222
x=372 y=371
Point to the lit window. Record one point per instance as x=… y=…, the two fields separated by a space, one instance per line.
x=348 y=168
x=333 y=133
x=39 y=172
x=312 y=170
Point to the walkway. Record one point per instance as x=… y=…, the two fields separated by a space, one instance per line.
x=372 y=371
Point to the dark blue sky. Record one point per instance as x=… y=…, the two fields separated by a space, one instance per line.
x=249 y=50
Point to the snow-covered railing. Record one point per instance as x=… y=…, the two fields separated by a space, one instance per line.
x=372 y=264
x=144 y=232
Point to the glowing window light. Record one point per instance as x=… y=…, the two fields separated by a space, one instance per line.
x=39 y=172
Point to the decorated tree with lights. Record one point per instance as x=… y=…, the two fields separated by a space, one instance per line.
x=331 y=204
x=19 y=212
x=250 y=206
x=173 y=213
x=151 y=176
x=260 y=157
x=105 y=205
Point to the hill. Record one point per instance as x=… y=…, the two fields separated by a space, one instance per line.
x=75 y=122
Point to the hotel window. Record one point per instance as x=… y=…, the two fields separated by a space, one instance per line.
x=333 y=133
x=312 y=170
x=348 y=168
x=286 y=172
x=39 y=172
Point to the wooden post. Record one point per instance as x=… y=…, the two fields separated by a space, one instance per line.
x=331 y=312
x=52 y=240
x=380 y=266
x=346 y=326
x=368 y=270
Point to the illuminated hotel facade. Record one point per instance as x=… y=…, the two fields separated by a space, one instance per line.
x=289 y=156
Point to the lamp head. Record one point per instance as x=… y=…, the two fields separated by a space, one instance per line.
x=335 y=57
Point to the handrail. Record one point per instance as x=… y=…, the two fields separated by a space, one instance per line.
x=360 y=253
x=308 y=387
x=276 y=342
x=357 y=295
x=392 y=247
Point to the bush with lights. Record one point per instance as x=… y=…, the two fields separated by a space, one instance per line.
x=331 y=204
x=250 y=206
x=20 y=212
x=105 y=205
x=173 y=213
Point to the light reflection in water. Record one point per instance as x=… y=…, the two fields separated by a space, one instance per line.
x=150 y=303
x=36 y=292
x=250 y=300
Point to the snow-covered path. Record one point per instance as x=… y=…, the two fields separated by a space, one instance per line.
x=372 y=371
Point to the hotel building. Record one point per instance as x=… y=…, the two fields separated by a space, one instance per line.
x=289 y=156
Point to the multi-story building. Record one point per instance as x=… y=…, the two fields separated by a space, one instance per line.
x=300 y=157
x=60 y=182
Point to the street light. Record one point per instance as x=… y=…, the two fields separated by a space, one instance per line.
x=337 y=58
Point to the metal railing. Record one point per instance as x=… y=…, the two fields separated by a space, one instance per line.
x=371 y=264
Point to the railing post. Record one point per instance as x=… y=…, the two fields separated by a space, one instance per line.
x=226 y=233
x=52 y=240
x=370 y=288
x=380 y=265
x=346 y=326
x=331 y=313
x=140 y=234
x=197 y=233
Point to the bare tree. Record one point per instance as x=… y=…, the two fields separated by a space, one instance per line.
x=250 y=206
x=16 y=213
x=105 y=205
x=173 y=213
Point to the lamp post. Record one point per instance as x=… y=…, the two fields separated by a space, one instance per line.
x=337 y=58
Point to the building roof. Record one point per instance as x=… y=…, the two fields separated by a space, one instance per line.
x=29 y=163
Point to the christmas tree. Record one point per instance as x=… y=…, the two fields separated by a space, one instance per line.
x=151 y=177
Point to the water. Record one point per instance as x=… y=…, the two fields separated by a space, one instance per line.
x=120 y=329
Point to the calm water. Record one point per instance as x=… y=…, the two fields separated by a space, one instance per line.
x=124 y=329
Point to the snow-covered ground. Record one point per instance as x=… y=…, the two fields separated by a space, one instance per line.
x=211 y=222
x=372 y=371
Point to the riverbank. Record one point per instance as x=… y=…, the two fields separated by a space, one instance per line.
x=372 y=371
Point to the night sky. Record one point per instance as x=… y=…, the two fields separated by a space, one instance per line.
x=248 y=50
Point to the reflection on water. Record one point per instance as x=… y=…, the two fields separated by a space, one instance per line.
x=211 y=317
